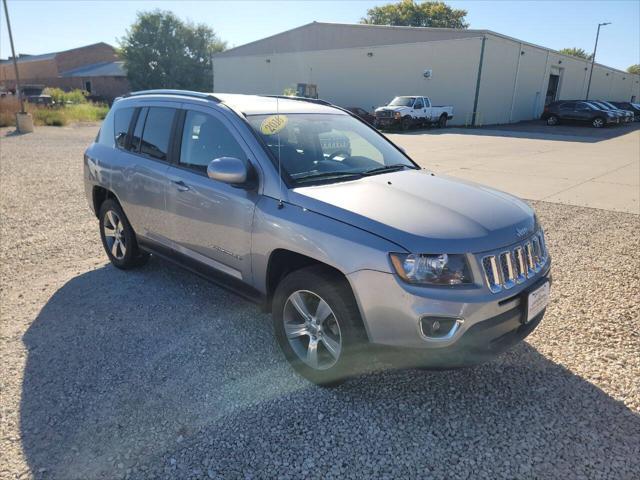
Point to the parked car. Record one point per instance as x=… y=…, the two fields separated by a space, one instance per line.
x=406 y=112
x=362 y=114
x=624 y=115
x=578 y=111
x=44 y=100
x=365 y=249
x=632 y=107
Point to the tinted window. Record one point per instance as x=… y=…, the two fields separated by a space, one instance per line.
x=567 y=106
x=157 y=130
x=106 y=133
x=205 y=138
x=136 y=137
x=418 y=104
x=121 y=127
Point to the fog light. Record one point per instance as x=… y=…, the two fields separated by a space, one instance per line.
x=438 y=327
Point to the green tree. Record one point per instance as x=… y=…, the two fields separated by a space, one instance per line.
x=161 y=51
x=415 y=14
x=634 y=69
x=577 y=52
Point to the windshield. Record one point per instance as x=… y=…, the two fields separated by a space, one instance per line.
x=326 y=147
x=402 y=102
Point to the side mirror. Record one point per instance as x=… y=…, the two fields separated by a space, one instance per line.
x=228 y=170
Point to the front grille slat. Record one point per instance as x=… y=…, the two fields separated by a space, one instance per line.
x=506 y=269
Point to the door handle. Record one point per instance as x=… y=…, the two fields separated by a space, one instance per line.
x=181 y=186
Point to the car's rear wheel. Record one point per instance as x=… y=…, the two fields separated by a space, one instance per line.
x=318 y=325
x=598 y=122
x=118 y=238
x=442 y=121
x=552 y=120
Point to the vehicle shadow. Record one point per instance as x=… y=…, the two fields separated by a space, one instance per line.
x=535 y=130
x=150 y=372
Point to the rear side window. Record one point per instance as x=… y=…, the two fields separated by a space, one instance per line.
x=121 y=126
x=136 y=137
x=157 y=132
x=106 y=133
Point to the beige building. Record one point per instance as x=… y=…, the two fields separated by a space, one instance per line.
x=489 y=78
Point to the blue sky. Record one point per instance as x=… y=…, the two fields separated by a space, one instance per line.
x=44 y=26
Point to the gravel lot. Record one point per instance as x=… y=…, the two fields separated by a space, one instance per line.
x=158 y=374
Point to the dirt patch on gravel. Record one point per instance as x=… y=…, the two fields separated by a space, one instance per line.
x=155 y=373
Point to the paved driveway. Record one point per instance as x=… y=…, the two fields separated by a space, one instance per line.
x=571 y=165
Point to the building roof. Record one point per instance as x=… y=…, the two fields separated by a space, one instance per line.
x=102 y=69
x=332 y=36
x=23 y=58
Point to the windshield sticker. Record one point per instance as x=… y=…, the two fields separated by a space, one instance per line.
x=273 y=124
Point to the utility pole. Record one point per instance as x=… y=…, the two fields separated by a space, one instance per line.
x=593 y=57
x=15 y=61
x=24 y=122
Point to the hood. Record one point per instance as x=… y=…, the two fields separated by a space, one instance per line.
x=398 y=108
x=422 y=212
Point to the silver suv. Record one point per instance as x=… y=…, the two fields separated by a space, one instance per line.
x=302 y=207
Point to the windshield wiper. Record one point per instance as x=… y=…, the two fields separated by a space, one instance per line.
x=387 y=168
x=328 y=176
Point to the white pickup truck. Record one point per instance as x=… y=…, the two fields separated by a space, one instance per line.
x=406 y=112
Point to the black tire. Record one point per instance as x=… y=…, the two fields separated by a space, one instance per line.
x=133 y=256
x=336 y=292
x=553 y=120
x=597 y=122
x=406 y=123
x=442 y=121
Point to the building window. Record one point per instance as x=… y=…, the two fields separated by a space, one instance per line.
x=87 y=86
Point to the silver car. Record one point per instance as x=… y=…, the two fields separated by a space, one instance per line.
x=347 y=247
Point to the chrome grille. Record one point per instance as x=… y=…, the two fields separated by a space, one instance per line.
x=505 y=269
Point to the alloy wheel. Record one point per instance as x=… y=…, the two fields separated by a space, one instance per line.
x=312 y=329
x=598 y=122
x=114 y=234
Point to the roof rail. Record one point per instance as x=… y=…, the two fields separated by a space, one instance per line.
x=183 y=93
x=302 y=99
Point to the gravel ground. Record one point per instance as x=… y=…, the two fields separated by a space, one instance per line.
x=157 y=374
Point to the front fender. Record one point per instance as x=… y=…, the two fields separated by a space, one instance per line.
x=339 y=245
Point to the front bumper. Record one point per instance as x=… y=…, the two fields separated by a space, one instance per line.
x=387 y=121
x=488 y=323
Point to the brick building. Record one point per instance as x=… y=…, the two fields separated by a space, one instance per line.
x=94 y=68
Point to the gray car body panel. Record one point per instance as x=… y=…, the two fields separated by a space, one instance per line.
x=351 y=226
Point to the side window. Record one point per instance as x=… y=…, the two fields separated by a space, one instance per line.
x=418 y=104
x=566 y=106
x=157 y=132
x=582 y=106
x=136 y=137
x=121 y=127
x=205 y=138
x=106 y=133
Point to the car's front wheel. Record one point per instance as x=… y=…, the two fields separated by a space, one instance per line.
x=317 y=324
x=118 y=237
x=598 y=122
x=406 y=123
x=552 y=120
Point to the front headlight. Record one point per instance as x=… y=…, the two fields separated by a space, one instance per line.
x=426 y=269
x=397 y=115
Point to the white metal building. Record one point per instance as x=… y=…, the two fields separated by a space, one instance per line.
x=500 y=78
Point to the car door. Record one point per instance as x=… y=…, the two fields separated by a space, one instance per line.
x=566 y=111
x=582 y=112
x=211 y=220
x=142 y=181
x=418 y=108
